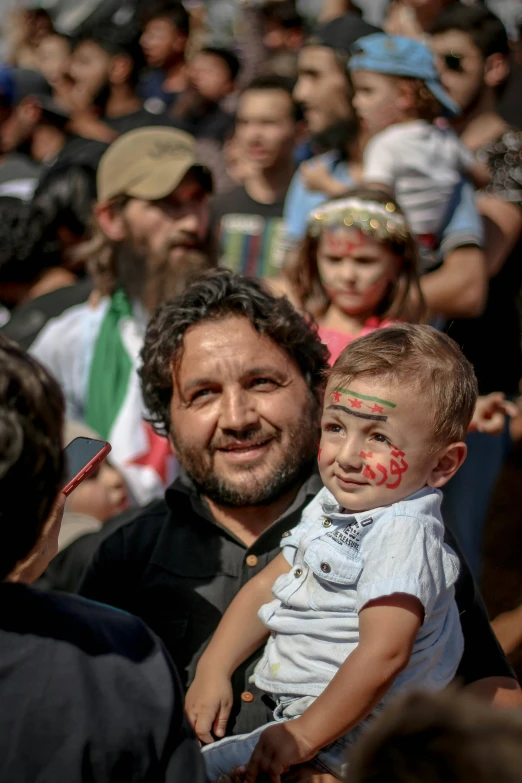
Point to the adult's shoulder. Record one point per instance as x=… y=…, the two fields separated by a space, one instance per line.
x=92 y=628
x=72 y=323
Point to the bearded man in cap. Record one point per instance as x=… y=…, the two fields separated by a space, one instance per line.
x=151 y=223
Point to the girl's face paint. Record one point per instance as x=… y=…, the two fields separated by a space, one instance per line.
x=355 y=270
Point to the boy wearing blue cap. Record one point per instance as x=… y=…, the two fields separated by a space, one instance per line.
x=398 y=97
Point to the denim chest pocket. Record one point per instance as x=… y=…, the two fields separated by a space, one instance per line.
x=336 y=572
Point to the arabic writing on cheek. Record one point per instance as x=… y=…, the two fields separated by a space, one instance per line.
x=380 y=473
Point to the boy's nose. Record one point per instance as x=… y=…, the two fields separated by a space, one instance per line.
x=350 y=459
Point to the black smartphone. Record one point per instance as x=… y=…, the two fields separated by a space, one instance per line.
x=82 y=456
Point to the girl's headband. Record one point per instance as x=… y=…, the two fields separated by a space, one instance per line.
x=381 y=221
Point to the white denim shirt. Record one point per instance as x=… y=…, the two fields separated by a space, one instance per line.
x=340 y=562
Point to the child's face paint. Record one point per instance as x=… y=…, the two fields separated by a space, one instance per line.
x=355 y=270
x=375 y=443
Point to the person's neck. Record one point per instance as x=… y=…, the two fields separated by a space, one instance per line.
x=122 y=100
x=268 y=186
x=336 y=319
x=482 y=123
x=175 y=76
x=248 y=523
x=51 y=280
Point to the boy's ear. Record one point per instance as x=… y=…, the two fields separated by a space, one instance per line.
x=406 y=99
x=449 y=461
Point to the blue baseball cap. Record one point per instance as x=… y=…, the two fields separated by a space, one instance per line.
x=395 y=55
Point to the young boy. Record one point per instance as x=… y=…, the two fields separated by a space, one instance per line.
x=363 y=592
x=398 y=96
x=166 y=27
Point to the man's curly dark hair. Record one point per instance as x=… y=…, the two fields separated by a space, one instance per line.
x=214 y=296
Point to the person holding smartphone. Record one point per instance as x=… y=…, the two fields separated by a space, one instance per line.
x=87 y=692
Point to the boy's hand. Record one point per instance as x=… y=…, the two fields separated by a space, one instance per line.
x=279 y=748
x=316 y=176
x=208 y=703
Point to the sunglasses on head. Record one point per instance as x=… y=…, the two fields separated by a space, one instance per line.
x=452 y=61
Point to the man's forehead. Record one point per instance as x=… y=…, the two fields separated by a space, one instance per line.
x=456 y=40
x=314 y=57
x=230 y=339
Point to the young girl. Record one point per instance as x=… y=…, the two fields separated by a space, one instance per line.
x=357 y=269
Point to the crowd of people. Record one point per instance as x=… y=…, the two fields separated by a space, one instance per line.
x=270 y=252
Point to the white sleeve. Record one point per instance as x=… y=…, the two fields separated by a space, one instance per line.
x=379 y=160
x=407 y=555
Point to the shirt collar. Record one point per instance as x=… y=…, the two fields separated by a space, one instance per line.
x=331 y=507
x=184 y=483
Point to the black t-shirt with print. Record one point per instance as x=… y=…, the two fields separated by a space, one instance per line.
x=492 y=342
x=249 y=234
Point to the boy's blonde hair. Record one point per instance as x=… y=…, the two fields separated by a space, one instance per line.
x=421 y=358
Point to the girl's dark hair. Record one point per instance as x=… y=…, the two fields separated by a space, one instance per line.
x=213 y=297
x=31 y=461
x=303 y=273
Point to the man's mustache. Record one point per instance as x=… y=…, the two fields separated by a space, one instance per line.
x=187 y=239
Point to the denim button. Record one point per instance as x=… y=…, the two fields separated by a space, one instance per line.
x=325 y=568
x=298 y=572
x=327 y=522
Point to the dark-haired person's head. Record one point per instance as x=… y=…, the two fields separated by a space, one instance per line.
x=22 y=257
x=105 y=58
x=283 y=26
x=213 y=72
x=323 y=87
x=472 y=53
x=234 y=376
x=36 y=123
x=267 y=122
x=435 y=738
x=64 y=199
x=166 y=27
x=31 y=462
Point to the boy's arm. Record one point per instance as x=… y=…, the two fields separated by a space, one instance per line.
x=238 y=635
x=388 y=628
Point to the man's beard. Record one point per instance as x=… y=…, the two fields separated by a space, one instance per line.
x=292 y=465
x=155 y=277
x=338 y=136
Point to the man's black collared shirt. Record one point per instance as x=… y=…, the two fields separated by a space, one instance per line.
x=179 y=570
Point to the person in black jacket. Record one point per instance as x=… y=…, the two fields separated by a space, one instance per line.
x=88 y=692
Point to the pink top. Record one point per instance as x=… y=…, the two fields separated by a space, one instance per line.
x=337 y=341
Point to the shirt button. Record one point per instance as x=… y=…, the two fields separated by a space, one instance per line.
x=251 y=561
x=247 y=697
x=327 y=522
x=287 y=534
x=298 y=572
x=325 y=568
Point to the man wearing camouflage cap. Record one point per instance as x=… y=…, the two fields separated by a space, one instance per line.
x=151 y=224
